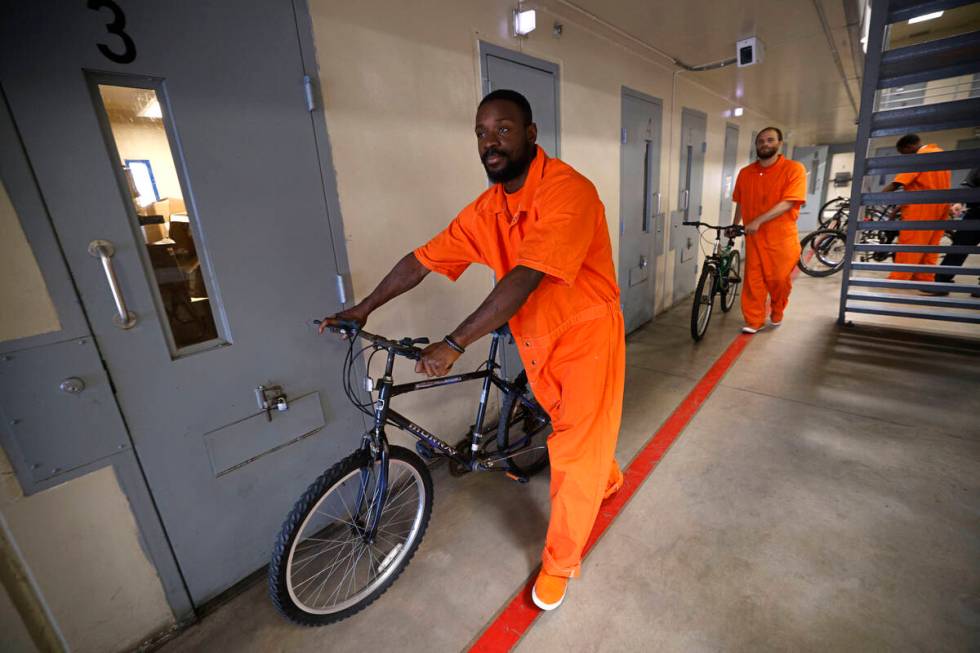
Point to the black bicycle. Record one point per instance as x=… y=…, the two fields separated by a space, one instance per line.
x=357 y=526
x=720 y=275
x=822 y=251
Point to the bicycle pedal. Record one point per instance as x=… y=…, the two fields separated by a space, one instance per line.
x=520 y=478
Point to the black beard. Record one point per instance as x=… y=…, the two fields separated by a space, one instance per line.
x=514 y=168
x=758 y=154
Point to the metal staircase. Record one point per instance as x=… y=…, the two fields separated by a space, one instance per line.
x=888 y=69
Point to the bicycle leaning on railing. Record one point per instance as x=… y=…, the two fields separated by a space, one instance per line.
x=822 y=251
x=720 y=275
x=357 y=526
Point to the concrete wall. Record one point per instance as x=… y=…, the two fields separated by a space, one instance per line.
x=401 y=83
x=26 y=308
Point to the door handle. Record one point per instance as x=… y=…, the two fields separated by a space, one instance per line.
x=686 y=196
x=103 y=250
x=657 y=196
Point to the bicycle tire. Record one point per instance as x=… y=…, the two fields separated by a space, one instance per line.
x=534 y=424
x=805 y=262
x=282 y=590
x=706 y=283
x=823 y=222
x=732 y=282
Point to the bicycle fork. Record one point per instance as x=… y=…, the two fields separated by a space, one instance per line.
x=377 y=445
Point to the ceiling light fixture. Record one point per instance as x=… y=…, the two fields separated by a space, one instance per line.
x=738 y=112
x=524 y=22
x=924 y=17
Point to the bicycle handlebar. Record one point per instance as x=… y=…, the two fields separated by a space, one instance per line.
x=737 y=228
x=404 y=347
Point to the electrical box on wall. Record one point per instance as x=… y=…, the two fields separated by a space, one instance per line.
x=749 y=52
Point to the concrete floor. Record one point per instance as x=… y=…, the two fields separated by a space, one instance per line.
x=825 y=497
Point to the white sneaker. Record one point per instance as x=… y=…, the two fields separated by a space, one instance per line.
x=748 y=329
x=775 y=324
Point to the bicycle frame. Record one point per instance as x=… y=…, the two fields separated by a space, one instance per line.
x=377 y=439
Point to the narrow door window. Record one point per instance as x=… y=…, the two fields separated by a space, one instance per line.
x=146 y=164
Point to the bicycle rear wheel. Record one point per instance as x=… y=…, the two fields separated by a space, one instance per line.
x=524 y=428
x=704 y=300
x=822 y=252
x=731 y=282
x=324 y=568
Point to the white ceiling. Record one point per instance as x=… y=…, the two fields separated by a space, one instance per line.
x=798 y=84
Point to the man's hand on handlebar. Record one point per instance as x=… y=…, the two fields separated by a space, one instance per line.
x=436 y=360
x=355 y=314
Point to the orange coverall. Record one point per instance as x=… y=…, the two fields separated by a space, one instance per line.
x=772 y=252
x=911 y=182
x=570 y=331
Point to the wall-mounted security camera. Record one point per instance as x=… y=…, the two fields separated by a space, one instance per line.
x=749 y=52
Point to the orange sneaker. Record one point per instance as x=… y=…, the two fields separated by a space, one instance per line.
x=549 y=591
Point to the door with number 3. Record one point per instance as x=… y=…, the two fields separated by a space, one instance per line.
x=178 y=156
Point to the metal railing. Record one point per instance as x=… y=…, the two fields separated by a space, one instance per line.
x=951 y=104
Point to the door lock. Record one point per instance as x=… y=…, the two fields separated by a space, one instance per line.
x=643 y=262
x=270 y=398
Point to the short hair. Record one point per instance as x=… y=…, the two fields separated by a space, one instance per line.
x=513 y=97
x=909 y=140
x=779 y=132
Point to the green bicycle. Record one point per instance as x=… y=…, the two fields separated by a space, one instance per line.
x=719 y=275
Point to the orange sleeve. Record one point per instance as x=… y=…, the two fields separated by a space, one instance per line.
x=568 y=216
x=795 y=188
x=906 y=178
x=453 y=249
x=737 y=193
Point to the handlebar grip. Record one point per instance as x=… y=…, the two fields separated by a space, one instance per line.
x=690 y=224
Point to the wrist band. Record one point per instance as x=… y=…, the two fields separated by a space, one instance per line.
x=455 y=346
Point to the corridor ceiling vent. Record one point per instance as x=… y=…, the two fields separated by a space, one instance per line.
x=524 y=22
x=749 y=52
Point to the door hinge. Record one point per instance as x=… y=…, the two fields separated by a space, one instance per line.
x=622 y=227
x=704 y=147
x=700 y=210
x=308 y=92
x=622 y=136
x=343 y=283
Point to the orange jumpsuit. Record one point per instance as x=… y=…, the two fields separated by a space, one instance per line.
x=911 y=182
x=569 y=332
x=772 y=252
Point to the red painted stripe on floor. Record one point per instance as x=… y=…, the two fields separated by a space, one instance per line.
x=516 y=618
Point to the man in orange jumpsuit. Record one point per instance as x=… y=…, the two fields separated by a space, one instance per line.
x=542 y=229
x=914 y=181
x=769 y=193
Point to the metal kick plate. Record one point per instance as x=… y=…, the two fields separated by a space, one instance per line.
x=238 y=444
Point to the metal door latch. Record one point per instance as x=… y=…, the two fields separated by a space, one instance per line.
x=270 y=398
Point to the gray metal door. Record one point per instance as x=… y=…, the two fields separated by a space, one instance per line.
x=814 y=159
x=726 y=211
x=685 y=239
x=187 y=166
x=537 y=80
x=640 y=216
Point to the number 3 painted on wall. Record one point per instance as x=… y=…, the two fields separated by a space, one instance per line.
x=116 y=27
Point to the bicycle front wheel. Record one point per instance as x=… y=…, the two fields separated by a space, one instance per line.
x=731 y=282
x=704 y=301
x=325 y=567
x=822 y=252
x=523 y=430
